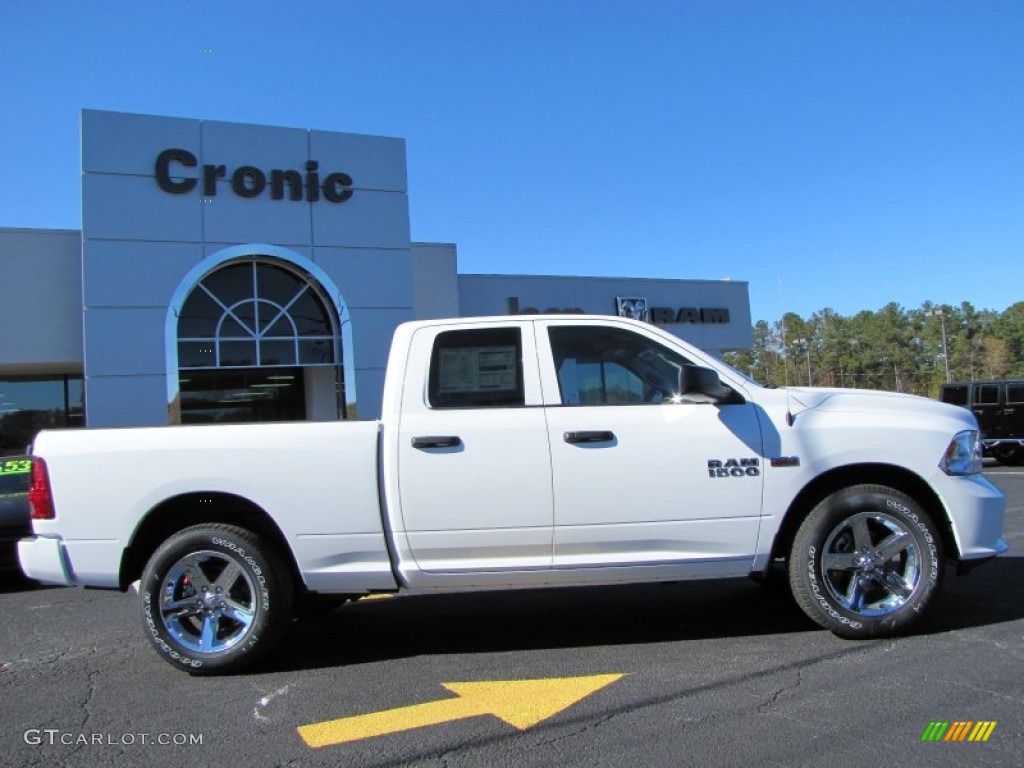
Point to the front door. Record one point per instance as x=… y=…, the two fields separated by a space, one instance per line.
x=640 y=477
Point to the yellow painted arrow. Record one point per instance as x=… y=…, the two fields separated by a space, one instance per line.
x=521 y=703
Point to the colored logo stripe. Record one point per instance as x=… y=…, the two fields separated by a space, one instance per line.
x=958 y=730
x=982 y=731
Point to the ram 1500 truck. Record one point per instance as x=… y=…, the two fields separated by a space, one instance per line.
x=515 y=452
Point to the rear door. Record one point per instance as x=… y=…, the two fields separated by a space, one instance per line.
x=473 y=464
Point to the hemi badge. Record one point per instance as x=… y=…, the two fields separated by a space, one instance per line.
x=786 y=461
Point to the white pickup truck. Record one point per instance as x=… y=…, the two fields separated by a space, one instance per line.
x=516 y=452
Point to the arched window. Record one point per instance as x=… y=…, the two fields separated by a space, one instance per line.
x=258 y=340
x=256 y=315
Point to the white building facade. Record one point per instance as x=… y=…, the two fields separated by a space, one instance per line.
x=229 y=272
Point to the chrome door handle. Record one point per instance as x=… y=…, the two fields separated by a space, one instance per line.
x=436 y=441
x=595 y=436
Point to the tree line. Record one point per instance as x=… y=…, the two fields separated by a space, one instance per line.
x=896 y=349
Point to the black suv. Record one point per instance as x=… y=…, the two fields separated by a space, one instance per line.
x=999 y=408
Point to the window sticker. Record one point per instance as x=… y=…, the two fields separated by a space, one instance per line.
x=477 y=369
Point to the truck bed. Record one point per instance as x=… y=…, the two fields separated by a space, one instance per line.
x=325 y=503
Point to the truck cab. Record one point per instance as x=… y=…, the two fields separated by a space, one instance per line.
x=570 y=429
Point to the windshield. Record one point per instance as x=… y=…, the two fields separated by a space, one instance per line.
x=738 y=373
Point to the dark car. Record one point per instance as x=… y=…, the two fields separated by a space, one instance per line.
x=15 y=522
x=999 y=408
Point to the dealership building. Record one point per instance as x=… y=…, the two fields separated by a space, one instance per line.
x=229 y=272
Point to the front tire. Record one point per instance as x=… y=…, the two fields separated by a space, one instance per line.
x=866 y=562
x=1009 y=455
x=215 y=599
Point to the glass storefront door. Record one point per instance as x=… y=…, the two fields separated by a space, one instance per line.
x=242 y=395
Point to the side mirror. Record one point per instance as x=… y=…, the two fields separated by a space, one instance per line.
x=702 y=385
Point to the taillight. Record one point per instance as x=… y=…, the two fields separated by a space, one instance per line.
x=40 y=498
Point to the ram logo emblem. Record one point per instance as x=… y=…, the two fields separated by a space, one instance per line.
x=632 y=307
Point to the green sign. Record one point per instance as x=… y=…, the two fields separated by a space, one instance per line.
x=15 y=466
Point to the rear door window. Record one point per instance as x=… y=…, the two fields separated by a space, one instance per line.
x=477 y=368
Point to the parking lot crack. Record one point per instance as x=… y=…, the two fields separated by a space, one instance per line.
x=774 y=696
x=585 y=727
x=89 y=696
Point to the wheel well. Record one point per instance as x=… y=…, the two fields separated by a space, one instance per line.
x=859 y=474
x=180 y=512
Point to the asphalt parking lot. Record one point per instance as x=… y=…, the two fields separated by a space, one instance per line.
x=707 y=674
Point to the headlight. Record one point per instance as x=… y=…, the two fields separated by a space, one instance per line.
x=963 y=456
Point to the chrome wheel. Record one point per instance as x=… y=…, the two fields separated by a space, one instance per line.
x=216 y=598
x=207 y=602
x=866 y=562
x=871 y=564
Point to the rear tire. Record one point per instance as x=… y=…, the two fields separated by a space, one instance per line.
x=215 y=599
x=866 y=562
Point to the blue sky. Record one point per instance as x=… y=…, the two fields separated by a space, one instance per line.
x=831 y=153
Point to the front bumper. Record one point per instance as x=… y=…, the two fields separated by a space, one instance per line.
x=976 y=510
